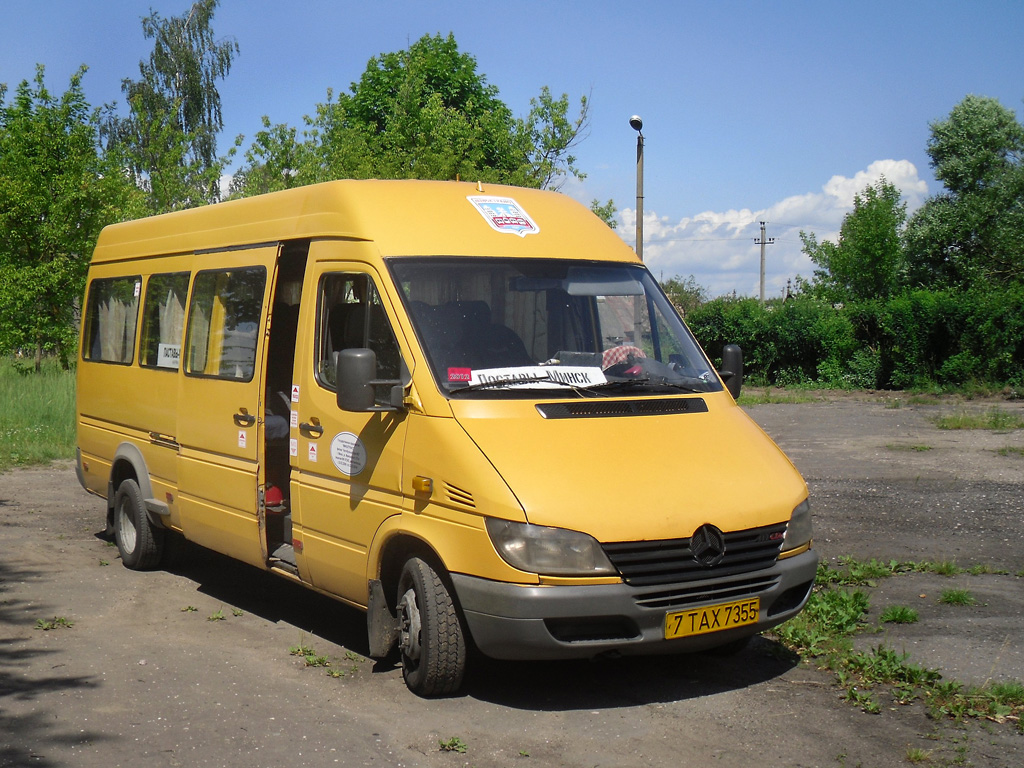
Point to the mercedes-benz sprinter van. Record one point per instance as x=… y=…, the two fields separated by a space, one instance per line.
x=468 y=410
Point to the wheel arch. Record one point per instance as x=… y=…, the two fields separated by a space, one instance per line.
x=395 y=552
x=128 y=464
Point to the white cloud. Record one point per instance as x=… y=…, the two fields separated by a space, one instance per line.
x=719 y=248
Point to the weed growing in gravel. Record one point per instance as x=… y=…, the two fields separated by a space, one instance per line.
x=828 y=619
x=862 y=699
x=944 y=568
x=997 y=701
x=904 y=447
x=217 y=615
x=856 y=572
x=310 y=656
x=916 y=755
x=978 y=570
x=301 y=649
x=769 y=395
x=993 y=418
x=1011 y=450
x=957 y=597
x=898 y=614
x=54 y=623
x=454 y=744
x=823 y=633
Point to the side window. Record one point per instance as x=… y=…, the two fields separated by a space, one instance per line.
x=351 y=315
x=111 y=315
x=223 y=323
x=163 y=321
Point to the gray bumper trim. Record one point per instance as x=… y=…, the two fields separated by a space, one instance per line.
x=514 y=621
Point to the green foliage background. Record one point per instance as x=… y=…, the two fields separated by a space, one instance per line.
x=917 y=339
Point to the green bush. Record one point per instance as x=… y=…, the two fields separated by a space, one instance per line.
x=917 y=339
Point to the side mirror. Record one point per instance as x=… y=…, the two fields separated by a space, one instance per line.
x=354 y=370
x=732 y=369
x=356 y=374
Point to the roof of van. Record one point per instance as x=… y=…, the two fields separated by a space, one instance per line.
x=400 y=217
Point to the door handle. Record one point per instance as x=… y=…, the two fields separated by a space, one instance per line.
x=243 y=418
x=314 y=429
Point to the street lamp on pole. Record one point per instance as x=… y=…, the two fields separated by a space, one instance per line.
x=637 y=125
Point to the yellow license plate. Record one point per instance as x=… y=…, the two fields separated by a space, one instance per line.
x=712 y=618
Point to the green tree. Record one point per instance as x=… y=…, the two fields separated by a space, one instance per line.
x=425 y=113
x=605 y=212
x=685 y=293
x=169 y=137
x=272 y=161
x=867 y=261
x=552 y=135
x=970 y=232
x=56 y=192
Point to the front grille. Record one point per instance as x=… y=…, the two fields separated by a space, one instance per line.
x=669 y=561
x=702 y=594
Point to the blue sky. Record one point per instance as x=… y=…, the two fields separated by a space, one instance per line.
x=752 y=111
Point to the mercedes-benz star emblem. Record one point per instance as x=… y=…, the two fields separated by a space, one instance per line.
x=707 y=545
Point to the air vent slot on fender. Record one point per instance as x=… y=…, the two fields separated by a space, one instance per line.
x=596 y=409
x=456 y=495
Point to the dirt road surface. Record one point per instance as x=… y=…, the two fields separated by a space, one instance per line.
x=193 y=666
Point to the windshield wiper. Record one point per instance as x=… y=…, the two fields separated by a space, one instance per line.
x=603 y=388
x=592 y=390
x=645 y=382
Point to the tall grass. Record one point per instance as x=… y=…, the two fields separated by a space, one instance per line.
x=37 y=415
x=993 y=418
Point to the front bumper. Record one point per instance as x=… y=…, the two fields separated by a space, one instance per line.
x=514 y=621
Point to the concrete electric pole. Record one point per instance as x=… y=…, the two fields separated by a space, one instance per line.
x=763 y=241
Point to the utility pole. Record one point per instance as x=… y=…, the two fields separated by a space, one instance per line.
x=763 y=241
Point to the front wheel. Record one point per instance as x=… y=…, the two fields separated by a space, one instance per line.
x=430 y=639
x=139 y=541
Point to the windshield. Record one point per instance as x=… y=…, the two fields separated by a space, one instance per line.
x=504 y=326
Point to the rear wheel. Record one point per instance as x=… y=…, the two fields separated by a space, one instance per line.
x=431 y=640
x=139 y=541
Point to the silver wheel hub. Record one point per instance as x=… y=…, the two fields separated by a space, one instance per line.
x=126 y=529
x=409 y=625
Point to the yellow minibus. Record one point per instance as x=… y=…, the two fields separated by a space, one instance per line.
x=468 y=410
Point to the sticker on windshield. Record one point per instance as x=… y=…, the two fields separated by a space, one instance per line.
x=539 y=376
x=504 y=215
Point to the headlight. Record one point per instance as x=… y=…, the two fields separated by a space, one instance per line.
x=798 y=533
x=550 y=551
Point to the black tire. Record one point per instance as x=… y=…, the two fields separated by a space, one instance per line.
x=139 y=541
x=431 y=640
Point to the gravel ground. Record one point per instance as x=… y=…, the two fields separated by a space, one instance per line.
x=140 y=677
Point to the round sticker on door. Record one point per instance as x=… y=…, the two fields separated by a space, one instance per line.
x=348 y=453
